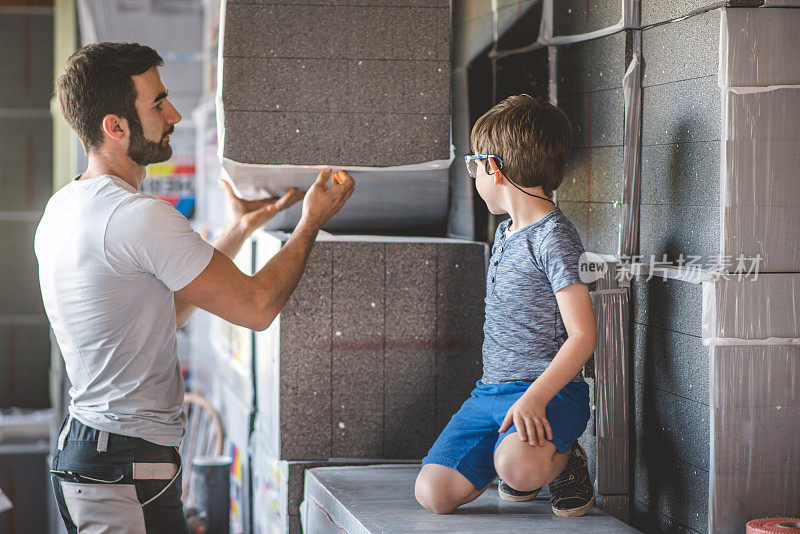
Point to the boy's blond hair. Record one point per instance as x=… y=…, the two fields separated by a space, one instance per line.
x=531 y=136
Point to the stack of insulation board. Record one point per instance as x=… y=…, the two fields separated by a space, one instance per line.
x=719 y=168
x=377 y=347
x=295 y=95
x=590 y=92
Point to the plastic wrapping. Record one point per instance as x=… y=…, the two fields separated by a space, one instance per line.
x=612 y=380
x=753 y=329
x=632 y=154
x=759 y=76
x=403 y=197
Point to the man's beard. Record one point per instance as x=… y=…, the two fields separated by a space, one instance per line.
x=143 y=151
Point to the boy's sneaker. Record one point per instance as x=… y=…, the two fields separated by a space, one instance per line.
x=507 y=493
x=572 y=492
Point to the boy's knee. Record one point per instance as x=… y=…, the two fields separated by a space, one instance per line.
x=432 y=498
x=523 y=474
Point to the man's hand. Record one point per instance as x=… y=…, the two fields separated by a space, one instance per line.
x=323 y=202
x=528 y=415
x=253 y=214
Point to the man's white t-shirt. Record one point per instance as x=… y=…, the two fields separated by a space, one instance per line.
x=110 y=259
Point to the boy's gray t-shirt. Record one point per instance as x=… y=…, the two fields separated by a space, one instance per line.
x=523 y=329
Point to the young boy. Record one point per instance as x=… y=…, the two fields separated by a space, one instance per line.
x=525 y=415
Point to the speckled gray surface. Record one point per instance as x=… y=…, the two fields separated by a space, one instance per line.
x=671 y=361
x=654 y=11
x=383 y=32
x=597 y=117
x=597 y=224
x=295 y=94
x=592 y=65
x=336 y=85
x=681 y=112
x=669 y=304
x=681 y=50
x=681 y=173
x=571 y=17
x=523 y=73
x=669 y=487
x=593 y=175
x=679 y=229
x=395 y=349
x=363 y=139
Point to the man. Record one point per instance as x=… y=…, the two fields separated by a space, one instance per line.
x=120 y=270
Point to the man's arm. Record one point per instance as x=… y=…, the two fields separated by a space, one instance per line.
x=247 y=216
x=254 y=301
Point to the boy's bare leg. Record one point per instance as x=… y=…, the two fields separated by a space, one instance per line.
x=527 y=467
x=442 y=489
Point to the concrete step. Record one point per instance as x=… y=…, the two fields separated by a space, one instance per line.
x=380 y=499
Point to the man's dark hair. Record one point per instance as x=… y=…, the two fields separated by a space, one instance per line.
x=97 y=82
x=531 y=136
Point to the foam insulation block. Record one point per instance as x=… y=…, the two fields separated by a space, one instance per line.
x=377 y=347
x=597 y=224
x=523 y=73
x=668 y=487
x=291 y=95
x=590 y=93
x=594 y=65
x=755 y=407
x=571 y=17
x=740 y=387
x=721 y=68
x=673 y=362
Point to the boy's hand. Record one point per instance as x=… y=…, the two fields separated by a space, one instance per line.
x=528 y=415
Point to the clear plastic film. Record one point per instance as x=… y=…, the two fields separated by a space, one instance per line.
x=612 y=381
x=393 y=118
x=753 y=331
x=632 y=153
x=629 y=19
x=759 y=76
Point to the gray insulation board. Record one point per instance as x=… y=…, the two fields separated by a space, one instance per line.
x=295 y=95
x=397 y=348
x=380 y=499
x=691 y=204
x=670 y=488
x=754 y=430
x=571 y=17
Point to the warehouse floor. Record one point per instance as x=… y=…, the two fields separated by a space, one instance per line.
x=380 y=499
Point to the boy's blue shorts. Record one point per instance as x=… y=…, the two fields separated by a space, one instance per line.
x=468 y=442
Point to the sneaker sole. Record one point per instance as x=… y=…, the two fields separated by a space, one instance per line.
x=516 y=498
x=575 y=512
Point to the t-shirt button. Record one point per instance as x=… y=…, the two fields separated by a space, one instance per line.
x=501 y=249
x=493 y=279
x=496 y=262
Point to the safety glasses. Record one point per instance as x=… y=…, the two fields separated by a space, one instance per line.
x=471 y=160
